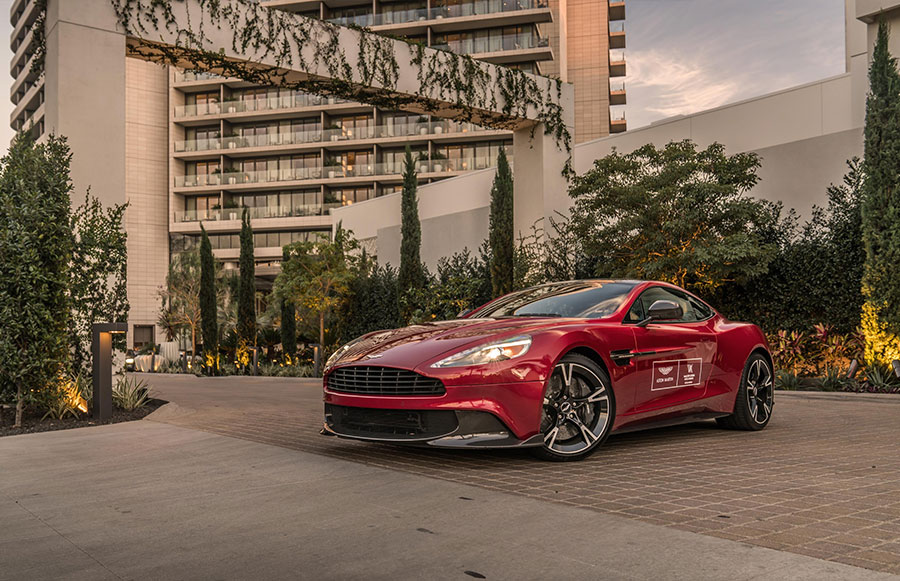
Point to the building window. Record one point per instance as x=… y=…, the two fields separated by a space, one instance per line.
x=143 y=336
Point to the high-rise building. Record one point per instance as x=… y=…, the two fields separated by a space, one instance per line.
x=200 y=147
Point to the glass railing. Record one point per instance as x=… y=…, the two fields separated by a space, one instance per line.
x=253 y=105
x=222 y=214
x=426 y=128
x=330 y=172
x=494 y=44
x=474 y=8
x=617 y=56
x=616 y=87
x=617 y=26
x=188 y=76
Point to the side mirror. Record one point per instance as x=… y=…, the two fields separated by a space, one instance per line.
x=663 y=310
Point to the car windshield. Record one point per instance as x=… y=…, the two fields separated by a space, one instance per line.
x=580 y=299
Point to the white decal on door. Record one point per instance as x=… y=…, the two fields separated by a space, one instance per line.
x=680 y=373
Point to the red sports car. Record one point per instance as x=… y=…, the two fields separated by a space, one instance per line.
x=557 y=367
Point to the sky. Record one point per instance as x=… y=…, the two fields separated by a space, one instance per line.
x=686 y=55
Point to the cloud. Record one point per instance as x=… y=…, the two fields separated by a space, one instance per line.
x=664 y=85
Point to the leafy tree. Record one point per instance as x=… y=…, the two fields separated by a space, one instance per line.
x=288 y=320
x=675 y=214
x=99 y=272
x=502 y=234
x=815 y=277
x=36 y=245
x=372 y=300
x=246 y=314
x=208 y=303
x=316 y=275
x=541 y=258
x=181 y=297
x=881 y=206
x=411 y=273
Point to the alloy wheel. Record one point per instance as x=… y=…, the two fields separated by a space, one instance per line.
x=576 y=410
x=759 y=391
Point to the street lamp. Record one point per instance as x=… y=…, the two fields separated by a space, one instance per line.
x=101 y=352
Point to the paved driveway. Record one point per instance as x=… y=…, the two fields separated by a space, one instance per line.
x=822 y=480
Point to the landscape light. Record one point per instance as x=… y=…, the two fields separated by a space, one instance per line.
x=101 y=352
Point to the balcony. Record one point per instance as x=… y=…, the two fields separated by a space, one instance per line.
x=616 y=10
x=617 y=95
x=440 y=16
x=617 y=122
x=194 y=76
x=508 y=48
x=235 y=179
x=225 y=214
x=617 y=34
x=381 y=132
x=296 y=101
x=617 y=63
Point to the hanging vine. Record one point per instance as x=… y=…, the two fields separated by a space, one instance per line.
x=279 y=37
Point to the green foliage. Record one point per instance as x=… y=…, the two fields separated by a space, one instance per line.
x=99 y=272
x=833 y=379
x=815 y=276
x=541 y=258
x=316 y=275
x=412 y=274
x=288 y=321
x=246 y=303
x=209 y=323
x=502 y=234
x=130 y=393
x=880 y=379
x=372 y=302
x=36 y=245
x=675 y=214
x=881 y=197
x=180 y=310
x=786 y=380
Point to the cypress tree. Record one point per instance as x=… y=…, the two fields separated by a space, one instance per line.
x=288 y=320
x=501 y=235
x=881 y=206
x=246 y=315
x=411 y=274
x=209 y=328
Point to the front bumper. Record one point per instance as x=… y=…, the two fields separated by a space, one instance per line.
x=436 y=428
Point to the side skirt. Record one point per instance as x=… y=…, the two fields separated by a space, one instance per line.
x=651 y=424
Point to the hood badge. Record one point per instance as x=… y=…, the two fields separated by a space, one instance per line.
x=374 y=355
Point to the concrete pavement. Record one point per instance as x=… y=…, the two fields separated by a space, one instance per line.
x=149 y=500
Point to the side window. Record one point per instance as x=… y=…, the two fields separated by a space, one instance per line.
x=694 y=310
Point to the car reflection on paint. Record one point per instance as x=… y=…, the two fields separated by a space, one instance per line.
x=556 y=368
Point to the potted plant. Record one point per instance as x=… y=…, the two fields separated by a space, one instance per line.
x=331 y=168
x=231 y=207
x=334 y=129
x=438 y=157
x=422 y=122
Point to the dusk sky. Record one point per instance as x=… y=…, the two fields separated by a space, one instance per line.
x=689 y=55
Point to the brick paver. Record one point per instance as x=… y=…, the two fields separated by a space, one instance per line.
x=822 y=480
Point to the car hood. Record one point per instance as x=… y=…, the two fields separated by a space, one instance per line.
x=416 y=344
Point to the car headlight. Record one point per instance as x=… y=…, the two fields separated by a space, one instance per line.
x=488 y=353
x=129 y=360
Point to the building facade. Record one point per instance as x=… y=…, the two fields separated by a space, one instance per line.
x=199 y=148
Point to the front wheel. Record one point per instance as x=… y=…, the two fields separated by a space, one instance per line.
x=578 y=410
x=755 y=397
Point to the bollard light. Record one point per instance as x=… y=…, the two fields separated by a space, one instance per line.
x=317 y=360
x=101 y=352
x=255 y=360
x=895 y=364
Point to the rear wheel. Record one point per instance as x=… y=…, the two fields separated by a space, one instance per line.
x=578 y=410
x=755 y=397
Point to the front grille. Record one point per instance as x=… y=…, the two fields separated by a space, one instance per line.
x=390 y=424
x=371 y=380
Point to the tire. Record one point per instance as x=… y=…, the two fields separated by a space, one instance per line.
x=578 y=410
x=755 y=402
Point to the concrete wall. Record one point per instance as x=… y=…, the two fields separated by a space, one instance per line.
x=146 y=188
x=442 y=236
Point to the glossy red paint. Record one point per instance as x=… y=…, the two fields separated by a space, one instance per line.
x=696 y=366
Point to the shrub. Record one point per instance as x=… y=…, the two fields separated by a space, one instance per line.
x=130 y=393
x=786 y=380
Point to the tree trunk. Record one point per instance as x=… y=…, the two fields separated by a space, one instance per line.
x=321 y=331
x=193 y=342
x=20 y=406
